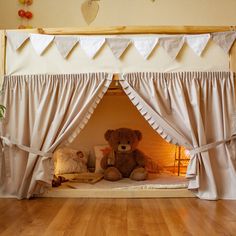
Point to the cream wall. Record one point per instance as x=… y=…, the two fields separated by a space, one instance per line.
x=62 y=13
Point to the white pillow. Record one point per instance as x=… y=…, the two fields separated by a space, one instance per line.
x=100 y=151
x=69 y=160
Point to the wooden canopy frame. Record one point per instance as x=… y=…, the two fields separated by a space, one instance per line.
x=122 y=30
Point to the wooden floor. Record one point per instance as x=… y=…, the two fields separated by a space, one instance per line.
x=183 y=216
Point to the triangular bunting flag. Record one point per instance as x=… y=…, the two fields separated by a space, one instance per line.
x=16 y=39
x=65 y=44
x=224 y=39
x=118 y=45
x=197 y=42
x=145 y=45
x=172 y=45
x=40 y=42
x=91 y=45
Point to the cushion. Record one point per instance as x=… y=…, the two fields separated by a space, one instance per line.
x=100 y=151
x=69 y=161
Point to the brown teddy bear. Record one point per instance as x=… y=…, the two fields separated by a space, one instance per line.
x=125 y=160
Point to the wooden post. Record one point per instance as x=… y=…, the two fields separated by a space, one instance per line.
x=2 y=55
x=232 y=58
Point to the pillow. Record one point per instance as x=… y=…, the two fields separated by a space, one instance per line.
x=100 y=151
x=69 y=161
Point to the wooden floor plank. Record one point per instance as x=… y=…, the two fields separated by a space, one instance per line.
x=117 y=217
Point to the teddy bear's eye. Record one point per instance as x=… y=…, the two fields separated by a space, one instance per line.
x=128 y=142
x=118 y=142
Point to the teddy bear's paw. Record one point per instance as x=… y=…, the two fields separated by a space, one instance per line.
x=56 y=182
x=139 y=174
x=112 y=174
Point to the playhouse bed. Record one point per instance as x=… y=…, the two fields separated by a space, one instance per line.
x=157 y=185
x=58 y=78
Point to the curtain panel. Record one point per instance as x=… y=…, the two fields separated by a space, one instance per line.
x=43 y=112
x=196 y=110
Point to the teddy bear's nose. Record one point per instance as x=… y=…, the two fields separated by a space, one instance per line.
x=123 y=147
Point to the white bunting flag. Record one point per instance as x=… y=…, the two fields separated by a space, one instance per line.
x=91 y=45
x=16 y=39
x=145 y=45
x=40 y=42
x=118 y=45
x=198 y=42
x=172 y=45
x=224 y=39
x=65 y=44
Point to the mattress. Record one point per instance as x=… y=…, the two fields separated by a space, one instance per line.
x=157 y=186
x=154 y=181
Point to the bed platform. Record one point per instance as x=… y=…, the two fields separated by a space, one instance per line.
x=161 y=186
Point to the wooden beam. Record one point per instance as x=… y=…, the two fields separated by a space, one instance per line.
x=136 y=30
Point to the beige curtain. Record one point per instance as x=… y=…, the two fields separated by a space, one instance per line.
x=43 y=112
x=196 y=110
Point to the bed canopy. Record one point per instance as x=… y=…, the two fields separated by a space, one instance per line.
x=180 y=79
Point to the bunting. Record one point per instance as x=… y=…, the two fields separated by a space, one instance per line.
x=118 y=45
x=198 y=42
x=65 y=44
x=92 y=45
x=172 y=45
x=40 y=42
x=145 y=45
x=224 y=39
x=16 y=39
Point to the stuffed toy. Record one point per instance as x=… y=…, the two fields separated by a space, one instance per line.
x=124 y=160
x=58 y=180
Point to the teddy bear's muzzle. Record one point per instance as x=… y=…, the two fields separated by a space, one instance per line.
x=124 y=147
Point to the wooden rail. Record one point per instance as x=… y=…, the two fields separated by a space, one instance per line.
x=136 y=30
x=131 y=30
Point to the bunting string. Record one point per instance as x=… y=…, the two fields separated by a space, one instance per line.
x=144 y=44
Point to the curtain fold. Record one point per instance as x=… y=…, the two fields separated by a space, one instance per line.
x=43 y=112
x=193 y=109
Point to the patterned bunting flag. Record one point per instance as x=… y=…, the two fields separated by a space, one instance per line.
x=118 y=45
x=172 y=45
x=65 y=44
x=224 y=39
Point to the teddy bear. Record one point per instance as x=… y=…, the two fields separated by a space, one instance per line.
x=124 y=160
x=58 y=180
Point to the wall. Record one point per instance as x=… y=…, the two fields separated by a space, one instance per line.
x=61 y=13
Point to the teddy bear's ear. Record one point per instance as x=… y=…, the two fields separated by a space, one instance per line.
x=108 y=133
x=138 y=134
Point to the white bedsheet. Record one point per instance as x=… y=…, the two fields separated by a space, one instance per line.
x=161 y=181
